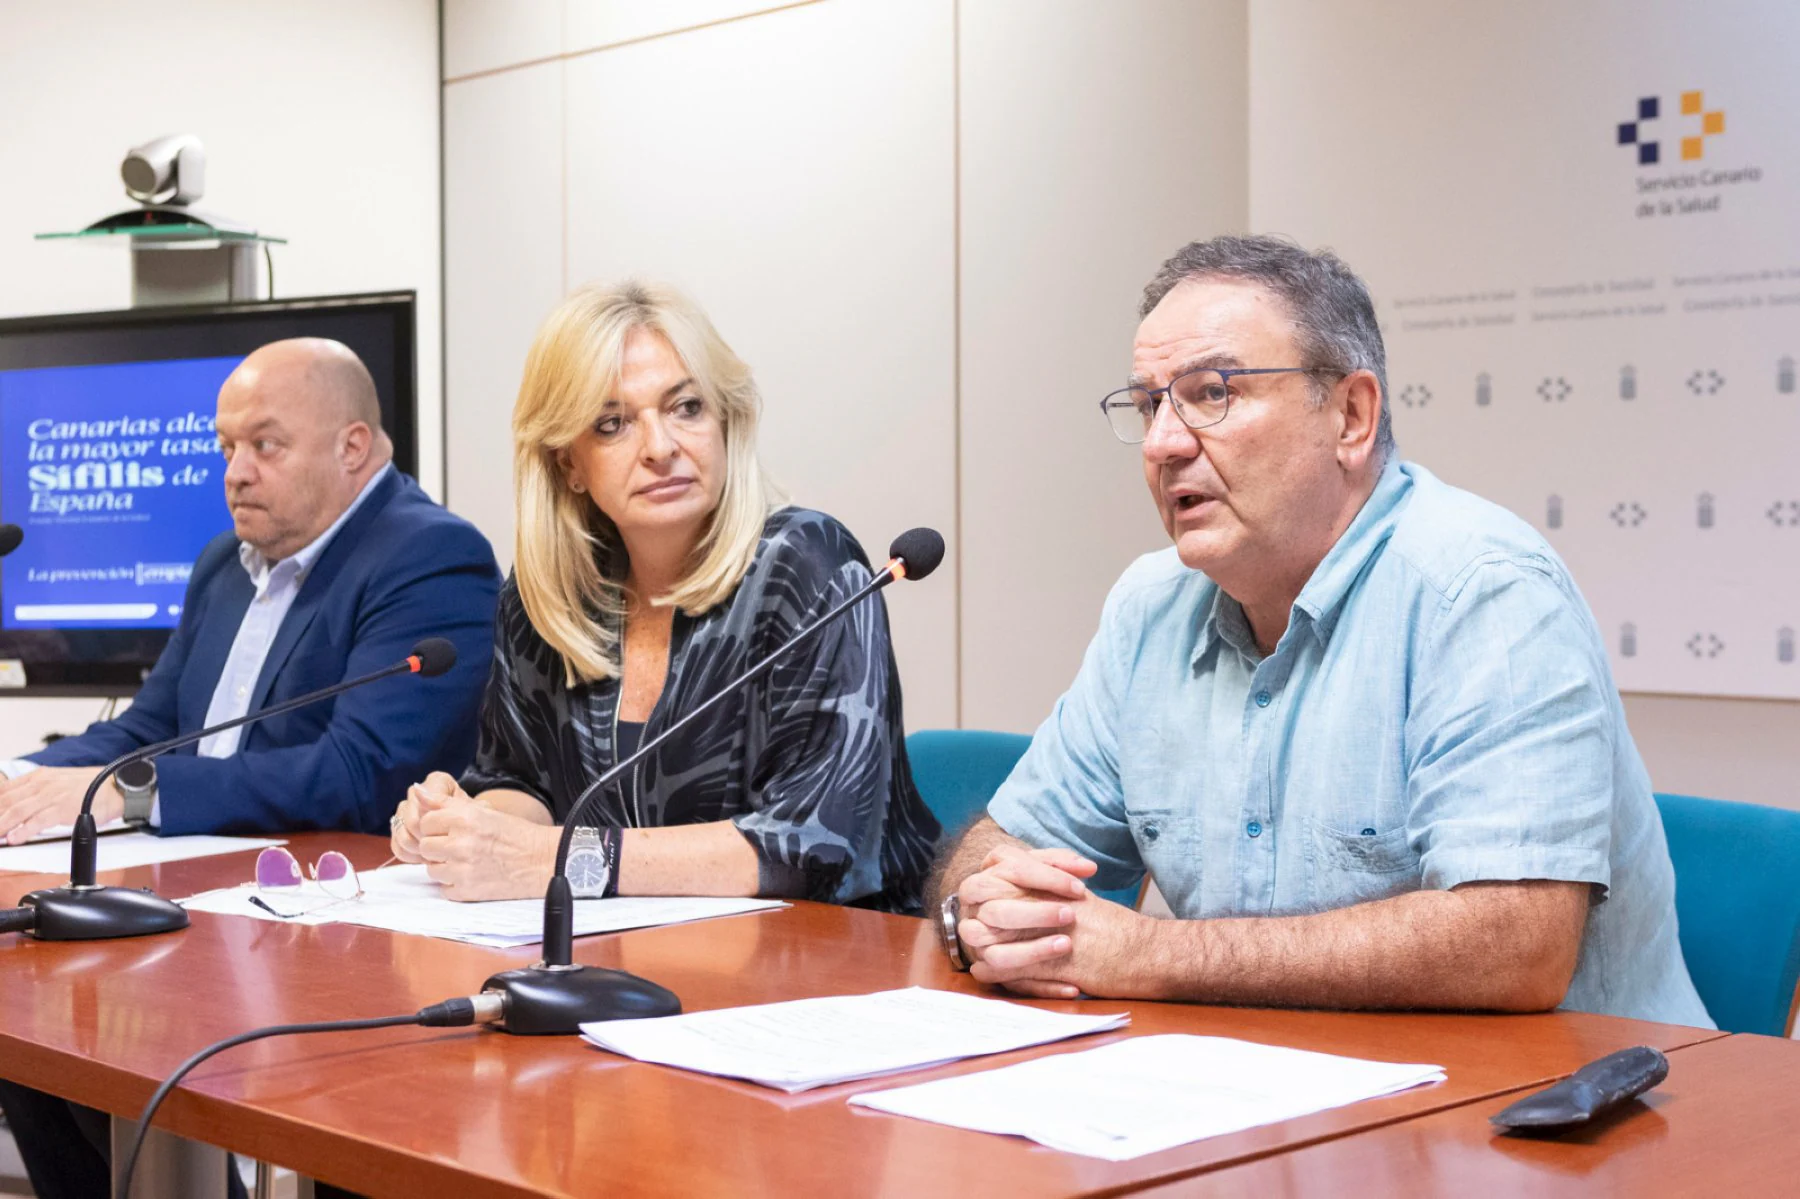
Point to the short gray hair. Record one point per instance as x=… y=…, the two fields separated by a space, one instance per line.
x=1334 y=319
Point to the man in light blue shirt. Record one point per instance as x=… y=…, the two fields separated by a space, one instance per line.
x=1358 y=725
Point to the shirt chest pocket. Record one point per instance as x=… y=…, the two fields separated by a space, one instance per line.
x=1166 y=842
x=1359 y=867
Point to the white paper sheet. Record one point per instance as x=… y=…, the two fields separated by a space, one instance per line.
x=403 y=899
x=1149 y=1093
x=807 y=1043
x=123 y=850
x=62 y=832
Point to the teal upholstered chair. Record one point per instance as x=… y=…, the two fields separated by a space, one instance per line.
x=1737 y=896
x=958 y=771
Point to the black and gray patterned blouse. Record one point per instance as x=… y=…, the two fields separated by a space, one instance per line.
x=809 y=761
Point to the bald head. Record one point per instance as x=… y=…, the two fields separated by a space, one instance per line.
x=300 y=427
x=323 y=376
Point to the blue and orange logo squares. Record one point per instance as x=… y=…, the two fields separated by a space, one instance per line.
x=1693 y=147
x=1648 y=152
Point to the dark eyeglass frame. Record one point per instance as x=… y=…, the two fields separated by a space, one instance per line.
x=1159 y=394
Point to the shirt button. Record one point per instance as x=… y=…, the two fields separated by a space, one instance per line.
x=1254 y=828
x=240 y=692
x=1368 y=832
x=1151 y=832
x=1262 y=699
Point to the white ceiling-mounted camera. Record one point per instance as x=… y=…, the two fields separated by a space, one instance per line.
x=169 y=170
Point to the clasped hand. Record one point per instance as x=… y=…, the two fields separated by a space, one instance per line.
x=474 y=851
x=1033 y=927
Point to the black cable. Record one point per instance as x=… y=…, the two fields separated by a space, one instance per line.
x=450 y=1013
x=18 y=920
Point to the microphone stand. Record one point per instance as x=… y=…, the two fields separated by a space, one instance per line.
x=84 y=911
x=558 y=995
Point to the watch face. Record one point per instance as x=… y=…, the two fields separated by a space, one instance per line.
x=587 y=872
x=136 y=775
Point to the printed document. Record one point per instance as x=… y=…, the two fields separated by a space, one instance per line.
x=807 y=1043
x=1149 y=1093
x=403 y=899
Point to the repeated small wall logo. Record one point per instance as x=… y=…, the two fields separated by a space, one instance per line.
x=1642 y=132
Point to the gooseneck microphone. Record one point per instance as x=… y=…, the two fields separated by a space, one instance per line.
x=83 y=911
x=10 y=536
x=557 y=995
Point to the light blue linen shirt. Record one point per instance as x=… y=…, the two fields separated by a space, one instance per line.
x=1439 y=711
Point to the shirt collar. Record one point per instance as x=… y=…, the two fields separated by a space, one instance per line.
x=261 y=570
x=1225 y=621
x=1322 y=599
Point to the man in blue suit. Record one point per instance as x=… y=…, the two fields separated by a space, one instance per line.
x=336 y=566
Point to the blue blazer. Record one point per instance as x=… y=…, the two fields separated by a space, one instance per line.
x=400 y=569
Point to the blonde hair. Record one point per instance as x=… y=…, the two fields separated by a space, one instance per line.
x=562 y=536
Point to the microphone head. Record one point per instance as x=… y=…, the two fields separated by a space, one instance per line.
x=10 y=537
x=921 y=549
x=435 y=655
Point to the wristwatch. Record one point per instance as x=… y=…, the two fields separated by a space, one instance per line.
x=949 y=916
x=586 y=865
x=136 y=781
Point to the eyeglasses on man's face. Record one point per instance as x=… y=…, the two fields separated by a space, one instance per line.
x=1202 y=398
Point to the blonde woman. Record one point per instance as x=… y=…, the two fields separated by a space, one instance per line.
x=654 y=562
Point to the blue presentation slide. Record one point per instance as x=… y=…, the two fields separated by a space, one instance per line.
x=114 y=472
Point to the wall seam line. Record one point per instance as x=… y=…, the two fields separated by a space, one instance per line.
x=956 y=308
x=443 y=279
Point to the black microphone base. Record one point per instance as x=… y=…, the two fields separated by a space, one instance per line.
x=101 y=913
x=558 y=1000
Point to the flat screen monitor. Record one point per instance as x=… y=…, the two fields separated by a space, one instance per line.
x=110 y=463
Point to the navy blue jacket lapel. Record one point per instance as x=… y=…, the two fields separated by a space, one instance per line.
x=318 y=582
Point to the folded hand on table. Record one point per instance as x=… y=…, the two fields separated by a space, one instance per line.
x=1033 y=927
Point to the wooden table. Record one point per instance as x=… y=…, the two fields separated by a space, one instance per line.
x=434 y=1112
x=1723 y=1123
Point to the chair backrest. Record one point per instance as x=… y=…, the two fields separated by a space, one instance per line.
x=958 y=770
x=1737 y=897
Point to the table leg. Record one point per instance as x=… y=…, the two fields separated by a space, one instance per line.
x=169 y=1167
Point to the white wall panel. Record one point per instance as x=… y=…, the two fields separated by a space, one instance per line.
x=485 y=35
x=793 y=172
x=503 y=271
x=1096 y=140
x=595 y=23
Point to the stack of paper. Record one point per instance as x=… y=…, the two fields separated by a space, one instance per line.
x=809 y=1043
x=1149 y=1093
x=122 y=851
x=403 y=899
